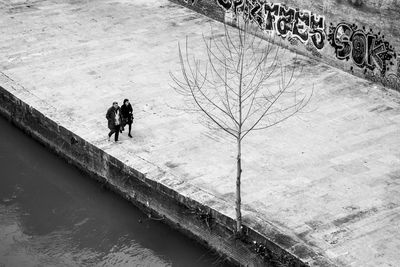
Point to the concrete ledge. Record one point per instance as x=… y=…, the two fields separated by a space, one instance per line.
x=196 y=220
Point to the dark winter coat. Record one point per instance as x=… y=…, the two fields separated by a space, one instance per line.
x=126 y=111
x=110 y=116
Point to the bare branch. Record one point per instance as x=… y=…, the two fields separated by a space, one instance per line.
x=233 y=87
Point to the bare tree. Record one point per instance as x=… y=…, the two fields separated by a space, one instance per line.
x=233 y=90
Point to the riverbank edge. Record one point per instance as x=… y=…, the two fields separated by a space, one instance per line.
x=198 y=221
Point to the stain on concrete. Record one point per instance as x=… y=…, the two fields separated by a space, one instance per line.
x=171 y=165
x=381 y=108
x=354 y=216
x=284 y=240
x=336 y=236
x=314 y=224
x=395 y=175
x=353 y=167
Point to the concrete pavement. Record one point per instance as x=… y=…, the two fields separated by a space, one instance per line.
x=329 y=178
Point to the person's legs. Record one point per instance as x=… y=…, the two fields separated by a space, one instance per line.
x=124 y=123
x=116 y=133
x=111 y=133
x=130 y=128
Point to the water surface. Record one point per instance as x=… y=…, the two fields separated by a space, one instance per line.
x=53 y=215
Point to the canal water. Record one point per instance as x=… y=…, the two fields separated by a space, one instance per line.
x=53 y=215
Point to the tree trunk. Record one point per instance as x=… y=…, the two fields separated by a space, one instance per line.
x=238 y=198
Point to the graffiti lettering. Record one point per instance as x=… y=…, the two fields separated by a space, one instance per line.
x=285 y=21
x=367 y=50
x=301 y=24
x=359 y=48
x=225 y=4
x=340 y=40
x=271 y=11
x=190 y=2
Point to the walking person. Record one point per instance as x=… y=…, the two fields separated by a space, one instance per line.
x=114 y=120
x=127 y=116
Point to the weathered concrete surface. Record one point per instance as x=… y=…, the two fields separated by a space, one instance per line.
x=328 y=179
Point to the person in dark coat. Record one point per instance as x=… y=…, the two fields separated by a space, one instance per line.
x=127 y=116
x=114 y=120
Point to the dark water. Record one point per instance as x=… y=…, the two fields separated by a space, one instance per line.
x=52 y=215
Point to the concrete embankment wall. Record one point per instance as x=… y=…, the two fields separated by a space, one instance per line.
x=361 y=37
x=211 y=228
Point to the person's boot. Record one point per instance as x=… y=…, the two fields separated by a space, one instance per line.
x=130 y=135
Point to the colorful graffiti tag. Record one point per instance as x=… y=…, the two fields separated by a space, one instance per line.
x=285 y=21
x=366 y=49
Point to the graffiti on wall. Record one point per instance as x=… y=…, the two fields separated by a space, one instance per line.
x=390 y=80
x=305 y=26
x=398 y=67
x=190 y=2
x=366 y=49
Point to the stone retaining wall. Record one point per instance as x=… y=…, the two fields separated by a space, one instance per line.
x=206 y=225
